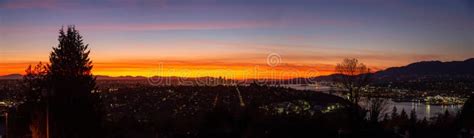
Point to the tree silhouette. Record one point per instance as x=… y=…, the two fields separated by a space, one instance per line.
x=413 y=118
x=394 y=114
x=34 y=82
x=377 y=108
x=71 y=104
x=466 y=118
x=69 y=62
x=28 y=118
x=354 y=76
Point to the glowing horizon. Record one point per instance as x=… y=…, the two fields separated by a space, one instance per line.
x=231 y=38
x=193 y=69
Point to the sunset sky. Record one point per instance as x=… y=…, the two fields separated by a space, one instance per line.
x=235 y=38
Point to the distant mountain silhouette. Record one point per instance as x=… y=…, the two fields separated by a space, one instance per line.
x=11 y=77
x=429 y=68
x=414 y=70
x=104 y=77
x=418 y=70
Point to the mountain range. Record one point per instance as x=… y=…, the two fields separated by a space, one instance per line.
x=11 y=77
x=423 y=69
x=429 y=68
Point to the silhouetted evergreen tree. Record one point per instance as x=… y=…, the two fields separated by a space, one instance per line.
x=403 y=120
x=466 y=118
x=71 y=104
x=394 y=114
x=413 y=117
x=403 y=115
x=412 y=122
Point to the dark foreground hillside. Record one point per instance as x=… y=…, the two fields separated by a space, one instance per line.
x=139 y=110
x=258 y=111
x=222 y=111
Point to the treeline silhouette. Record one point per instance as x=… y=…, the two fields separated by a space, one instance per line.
x=61 y=99
x=58 y=100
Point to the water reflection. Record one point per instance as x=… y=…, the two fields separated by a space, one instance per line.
x=424 y=110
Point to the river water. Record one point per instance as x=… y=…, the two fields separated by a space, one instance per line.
x=422 y=110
